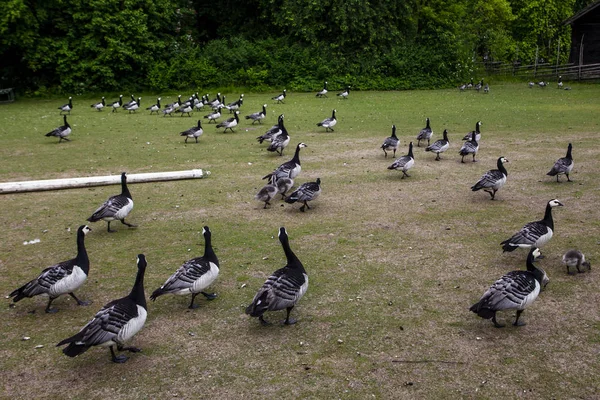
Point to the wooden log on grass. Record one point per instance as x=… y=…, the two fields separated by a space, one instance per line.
x=69 y=183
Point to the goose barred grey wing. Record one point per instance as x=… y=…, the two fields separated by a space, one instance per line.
x=185 y=276
x=533 y=233
x=109 y=208
x=305 y=192
x=283 y=289
x=561 y=166
x=44 y=282
x=489 y=179
x=512 y=291
x=468 y=148
x=400 y=162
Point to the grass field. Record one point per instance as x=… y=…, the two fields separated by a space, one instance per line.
x=394 y=264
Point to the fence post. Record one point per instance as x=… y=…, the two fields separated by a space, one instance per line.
x=557 y=57
x=536 y=61
x=580 y=58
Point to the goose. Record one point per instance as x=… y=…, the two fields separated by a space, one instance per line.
x=117 y=104
x=66 y=108
x=470 y=84
x=155 y=108
x=404 y=163
x=486 y=88
x=284 y=185
x=130 y=102
x=575 y=258
x=563 y=165
x=283 y=289
x=535 y=234
x=391 y=143
x=273 y=131
x=306 y=192
x=199 y=105
x=479 y=85
x=258 y=116
x=168 y=110
x=213 y=116
x=531 y=85
x=328 y=123
x=290 y=169
x=115 y=323
x=425 y=134
x=323 y=92
x=233 y=106
x=62 y=278
x=100 y=105
x=230 y=123
x=469 y=147
x=133 y=107
x=560 y=82
x=515 y=290
x=193 y=133
x=280 y=141
x=267 y=192
x=439 y=146
x=543 y=84
x=62 y=131
x=477 y=131
x=344 y=93
x=280 y=97
x=185 y=109
x=175 y=104
x=215 y=102
x=492 y=180
x=462 y=87
x=194 y=275
x=116 y=207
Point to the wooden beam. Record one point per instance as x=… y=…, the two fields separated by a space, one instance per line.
x=69 y=183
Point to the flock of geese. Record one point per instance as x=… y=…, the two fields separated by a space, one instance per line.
x=119 y=320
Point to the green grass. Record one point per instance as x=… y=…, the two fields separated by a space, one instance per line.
x=393 y=264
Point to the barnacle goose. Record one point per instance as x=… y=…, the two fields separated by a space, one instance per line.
x=323 y=92
x=130 y=102
x=230 y=123
x=344 y=93
x=194 y=275
x=306 y=192
x=531 y=85
x=100 y=105
x=439 y=146
x=290 y=169
x=492 y=180
x=391 y=143
x=404 y=163
x=258 y=116
x=175 y=104
x=470 y=84
x=116 y=208
x=284 y=185
x=185 y=109
x=236 y=104
x=575 y=258
x=425 y=134
x=516 y=290
x=66 y=108
x=215 y=102
x=462 y=87
x=563 y=165
x=62 y=278
x=117 y=104
x=62 y=131
x=193 y=133
x=155 y=108
x=133 y=107
x=115 y=323
x=280 y=97
x=213 y=116
x=479 y=85
x=273 y=131
x=534 y=234
x=279 y=141
x=477 y=131
x=267 y=192
x=469 y=147
x=560 y=82
x=486 y=88
x=328 y=123
x=283 y=289
x=168 y=110
x=543 y=84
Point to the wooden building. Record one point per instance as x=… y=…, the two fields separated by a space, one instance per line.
x=585 y=35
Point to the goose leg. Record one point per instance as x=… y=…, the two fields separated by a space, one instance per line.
x=462 y=160
x=196 y=140
x=128 y=224
x=79 y=302
x=288 y=320
x=496 y=324
x=517 y=323
x=474 y=158
x=438 y=157
x=193 y=306
x=109 y=230
x=50 y=310
x=263 y=322
x=568 y=179
x=120 y=359
x=209 y=296
x=265 y=207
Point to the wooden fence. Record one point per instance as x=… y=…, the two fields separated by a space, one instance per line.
x=543 y=71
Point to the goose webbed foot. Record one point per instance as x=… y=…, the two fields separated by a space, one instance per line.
x=128 y=224
x=517 y=322
x=80 y=302
x=193 y=306
x=288 y=320
x=209 y=296
x=120 y=359
x=49 y=310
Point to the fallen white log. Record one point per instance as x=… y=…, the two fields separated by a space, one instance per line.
x=68 y=183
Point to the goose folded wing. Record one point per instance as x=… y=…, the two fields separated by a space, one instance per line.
x=187 y=274
x=490 y=178
x=400 y=162
x=530 y=233
x=285 y=289
x=111 y=206
x=48 y=277
x=509 y=292
x=108 y=322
